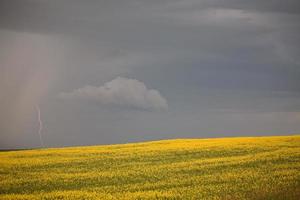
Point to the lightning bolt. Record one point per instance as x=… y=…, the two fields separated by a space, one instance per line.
x=40 y=124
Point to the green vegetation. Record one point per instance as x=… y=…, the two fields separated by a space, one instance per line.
x=225 y=168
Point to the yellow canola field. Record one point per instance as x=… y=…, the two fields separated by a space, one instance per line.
x=221 y=168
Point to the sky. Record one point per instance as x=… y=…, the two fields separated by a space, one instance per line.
x=119 y=71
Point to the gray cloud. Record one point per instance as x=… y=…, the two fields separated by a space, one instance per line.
x=122 y=92
x=228 y=68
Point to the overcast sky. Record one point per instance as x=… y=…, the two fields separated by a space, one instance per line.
x=121 y=71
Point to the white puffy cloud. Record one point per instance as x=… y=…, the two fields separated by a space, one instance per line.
x=122 y=92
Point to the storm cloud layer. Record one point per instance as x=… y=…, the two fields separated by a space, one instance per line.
x=226 y=68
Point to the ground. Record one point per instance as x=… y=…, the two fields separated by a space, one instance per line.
x=221 y=168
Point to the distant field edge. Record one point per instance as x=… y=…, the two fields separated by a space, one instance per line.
x=156 y=141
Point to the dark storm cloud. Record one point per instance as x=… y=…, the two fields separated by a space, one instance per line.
x=88 y=16
x=226 y=67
